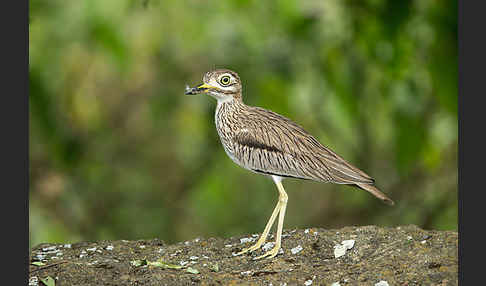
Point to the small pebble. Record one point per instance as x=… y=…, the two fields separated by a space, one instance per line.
x=109 y=247
x=308 y=282
x=339 y=250
x=348 y=243
x=33 y=281
x=228 y=245
x=51 y=252
x=91 y=249
x=182 y=263
x=40 y=257
x=335 y=284
x=268 y=246
x=296 y=249
x=49 y=248
x=67 y=245
x=193 y=257
x=382 y=283
x=246 y=239
x=245 y=272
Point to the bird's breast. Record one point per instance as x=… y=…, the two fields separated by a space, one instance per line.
x=226 y=125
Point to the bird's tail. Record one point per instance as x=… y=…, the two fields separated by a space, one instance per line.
x=375 y=192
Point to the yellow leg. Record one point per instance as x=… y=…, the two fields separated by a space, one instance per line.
x=264 y=235
x=282 y=199
x=279 y=209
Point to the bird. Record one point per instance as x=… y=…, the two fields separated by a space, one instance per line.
x=271 y=144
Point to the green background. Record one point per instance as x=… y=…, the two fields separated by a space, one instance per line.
x=117 y=151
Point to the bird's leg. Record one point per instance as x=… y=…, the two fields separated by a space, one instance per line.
x=282 y=204
x=264 y=235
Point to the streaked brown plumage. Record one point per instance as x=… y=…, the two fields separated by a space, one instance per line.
x=268 y=143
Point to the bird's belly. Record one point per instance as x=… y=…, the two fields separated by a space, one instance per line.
x=228 y=148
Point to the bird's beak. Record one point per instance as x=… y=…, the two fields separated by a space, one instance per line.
x=198 y=89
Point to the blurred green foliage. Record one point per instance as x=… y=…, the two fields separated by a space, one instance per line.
x=117 y=151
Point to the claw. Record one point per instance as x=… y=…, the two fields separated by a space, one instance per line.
x=269 y=254
x=249 y=249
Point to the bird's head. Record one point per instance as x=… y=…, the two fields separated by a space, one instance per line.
x=221 y=84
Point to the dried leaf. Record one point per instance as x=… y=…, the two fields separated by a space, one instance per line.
x=48 y=281
x=137 y=263
x=161 y=263
x=192 y=270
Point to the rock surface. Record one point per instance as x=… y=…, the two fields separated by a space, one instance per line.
x=404 y=255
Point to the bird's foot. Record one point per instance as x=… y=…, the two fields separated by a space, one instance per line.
x=251 y=248
x=269 y=254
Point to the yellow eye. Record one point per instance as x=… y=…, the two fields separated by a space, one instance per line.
x=225 y=80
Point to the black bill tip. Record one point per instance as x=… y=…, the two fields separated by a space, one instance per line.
x=195 y=90
x=189 y=90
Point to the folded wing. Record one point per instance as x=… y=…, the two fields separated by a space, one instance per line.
x=277 y=145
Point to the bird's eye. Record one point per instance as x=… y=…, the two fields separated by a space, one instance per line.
x=225 y=80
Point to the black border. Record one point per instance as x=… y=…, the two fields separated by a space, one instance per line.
x=471 y=49
x=14 y=118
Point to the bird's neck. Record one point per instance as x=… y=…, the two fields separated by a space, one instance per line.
x=229 y=102
x=227 y=109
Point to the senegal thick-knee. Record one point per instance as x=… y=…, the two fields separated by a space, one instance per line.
x=268 y=143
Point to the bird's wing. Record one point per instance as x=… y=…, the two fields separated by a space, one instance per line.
x=271 y=143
